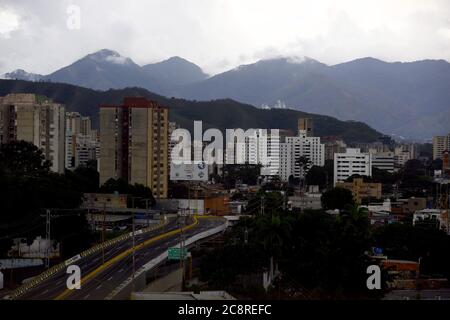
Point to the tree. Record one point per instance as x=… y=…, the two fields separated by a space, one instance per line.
x=303 y=163
x=23 y=158
x=271 y=200
x=27 y=189
x=137 y=191
x=246 y=174
x=422 y=241
x=317 y=176
x=274 y=231
x=337 y=198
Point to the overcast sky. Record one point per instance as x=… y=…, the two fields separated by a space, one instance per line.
x=221 y=34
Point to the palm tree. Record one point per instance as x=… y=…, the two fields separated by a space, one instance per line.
x=303 y=163
x=274 y=231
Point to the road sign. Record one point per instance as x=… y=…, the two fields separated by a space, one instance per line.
x=175 y=253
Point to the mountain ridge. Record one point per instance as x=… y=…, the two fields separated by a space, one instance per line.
x=397 y=98
x=222 y=114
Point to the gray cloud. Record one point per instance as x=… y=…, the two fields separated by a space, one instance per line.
x=220 y=34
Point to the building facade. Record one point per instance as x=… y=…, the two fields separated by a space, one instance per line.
x=35 y=119
x=263 y=147
x=383 y=161
x=297 y=147
x=440 y=144
x=361 y=190
x=134 y=144
x=82 y=142
x=353 y=161
x=306 y=125
x=333 y=145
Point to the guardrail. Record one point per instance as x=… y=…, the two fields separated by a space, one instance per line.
x=156 y=261
x=57 y=268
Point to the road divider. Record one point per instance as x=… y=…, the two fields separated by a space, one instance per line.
x=59 y=267
x=163 y=256
x=124 y=254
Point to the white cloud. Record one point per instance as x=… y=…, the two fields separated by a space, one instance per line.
x=221 y=34
x=8 y=22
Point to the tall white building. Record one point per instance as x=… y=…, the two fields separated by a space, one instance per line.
x=82 y=143
x=296 y=147
x=263 y=147
x=256 y=146
x=351 y=162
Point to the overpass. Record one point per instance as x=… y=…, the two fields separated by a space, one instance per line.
x=107 y=269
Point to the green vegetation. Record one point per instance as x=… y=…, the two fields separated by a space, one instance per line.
x=137 y=191
x=318 y=255
x=28 y=188
x=221 y=114
x=337 y=198
x=233 y=174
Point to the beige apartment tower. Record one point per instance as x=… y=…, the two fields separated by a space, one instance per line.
x=440 y=144
x=35 y=119
x=306 y=125
x=134 y=144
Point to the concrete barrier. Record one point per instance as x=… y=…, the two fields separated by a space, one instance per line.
x=123 y=291
x=57 y=268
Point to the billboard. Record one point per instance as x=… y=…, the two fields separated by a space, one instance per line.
x=189 y=172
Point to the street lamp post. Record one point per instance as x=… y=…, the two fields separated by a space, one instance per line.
x=48 y=230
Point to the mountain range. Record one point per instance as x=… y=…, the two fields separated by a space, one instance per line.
x=409 y=99
x=222 y=114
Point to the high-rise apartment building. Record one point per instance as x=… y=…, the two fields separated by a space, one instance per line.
x=35 y=119
x=134 y=144
x=297 y=147
x=82 y=143
x=440 y=144
x=306 y=125
x=263 y=147
x=351 y=162
x=333 y=145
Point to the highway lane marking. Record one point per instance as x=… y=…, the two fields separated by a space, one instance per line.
x=86 y=296
x=55 y=269
x=120 y=270
x=126 y=253
x=98 y=287
x=110 y=278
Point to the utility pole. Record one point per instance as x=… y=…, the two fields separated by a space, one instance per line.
x=262 y=205
x=146 y=209
x=134 y=261
x=182 y=256
x=48 y=238
x=103 y=232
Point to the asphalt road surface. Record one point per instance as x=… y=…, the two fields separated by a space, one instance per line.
x=103 y=282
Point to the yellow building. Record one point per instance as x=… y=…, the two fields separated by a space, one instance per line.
x=361 y=190
x=134 y=144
